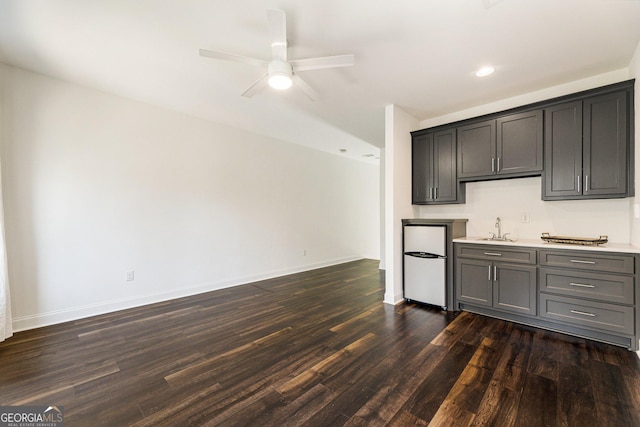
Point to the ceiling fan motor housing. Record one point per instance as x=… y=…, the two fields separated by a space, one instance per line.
x=280 y=74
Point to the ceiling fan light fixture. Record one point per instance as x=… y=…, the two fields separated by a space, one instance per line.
x=280 y=75
x=280 y=81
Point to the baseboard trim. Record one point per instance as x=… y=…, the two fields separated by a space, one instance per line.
x=39 y=320
x=393 y=299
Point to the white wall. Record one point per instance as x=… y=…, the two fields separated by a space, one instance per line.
x=95 y=185
x=509 y=199
x=397 y=167
x=634 y=72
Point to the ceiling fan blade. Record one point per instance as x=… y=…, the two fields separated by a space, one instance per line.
x=261 y=83
x=323 y=62
x=311 y=94
x=278 y=34
x=233 y=57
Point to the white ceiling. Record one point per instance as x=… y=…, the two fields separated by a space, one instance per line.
x=418 y=54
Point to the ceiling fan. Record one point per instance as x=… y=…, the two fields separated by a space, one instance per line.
x=282 y=73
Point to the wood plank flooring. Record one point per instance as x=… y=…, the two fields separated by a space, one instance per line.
x=317 y=349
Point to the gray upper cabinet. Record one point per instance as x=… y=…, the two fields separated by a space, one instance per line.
x=605 y=145
x=509 y=146
x=477 y=149
x=434 y=168
x=562 y=151
x=519 y=143
x=582 y=144
x=421 y=149
x=588 y=148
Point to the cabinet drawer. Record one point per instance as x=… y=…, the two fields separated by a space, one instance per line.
x=497 y=253
x=585 y=260
x=592 y=315
x=603 y=287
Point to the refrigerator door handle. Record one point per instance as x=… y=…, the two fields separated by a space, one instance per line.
x=425 y=255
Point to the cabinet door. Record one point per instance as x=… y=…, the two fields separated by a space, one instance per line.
x=514 y=288
x=473 y=282
x=605 y=145
x=477 y=149
x=444 y=166
x=519 y=143
x=421 y=159
x=562 y=151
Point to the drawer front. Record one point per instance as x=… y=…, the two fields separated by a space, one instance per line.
x=591 y=261
x=592 y=315
x=603 y=287
x=497 y=253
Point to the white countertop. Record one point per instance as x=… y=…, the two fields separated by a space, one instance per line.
x=539 y=243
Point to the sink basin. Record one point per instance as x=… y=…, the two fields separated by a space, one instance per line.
x=492 y=239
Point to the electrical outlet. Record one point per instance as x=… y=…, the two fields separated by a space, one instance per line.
x=525 y=218
x=130 y=276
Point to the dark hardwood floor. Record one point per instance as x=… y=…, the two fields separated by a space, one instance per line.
x=318 y=349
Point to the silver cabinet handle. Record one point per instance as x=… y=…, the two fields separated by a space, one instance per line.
x=578 y=261
x=586 y=183
x=498 y=168
x=582 y=285
x=578 y=183
x=495 y=273
x=489 y=278
x=492 y=254
x=493 y=162
x=584 y=313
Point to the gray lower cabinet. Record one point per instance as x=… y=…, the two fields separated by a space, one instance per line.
x=593 y=290
x=586 y=293
x=514 y=288
x=506 y=286
x=473 y=282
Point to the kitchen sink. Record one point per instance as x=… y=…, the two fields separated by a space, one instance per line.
x=493 y=239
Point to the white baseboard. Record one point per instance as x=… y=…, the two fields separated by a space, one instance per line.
x=74 y=313
x=393 y=299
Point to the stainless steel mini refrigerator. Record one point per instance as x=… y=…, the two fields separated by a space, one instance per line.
x=425 y=268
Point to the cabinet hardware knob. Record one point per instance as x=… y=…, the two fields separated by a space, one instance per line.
x=584 y=313
x=578 y=261
x=582 y=285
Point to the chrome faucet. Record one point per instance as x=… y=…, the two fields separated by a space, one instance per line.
x=500 y=236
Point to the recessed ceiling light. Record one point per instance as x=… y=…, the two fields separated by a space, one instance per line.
x=485 y=71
